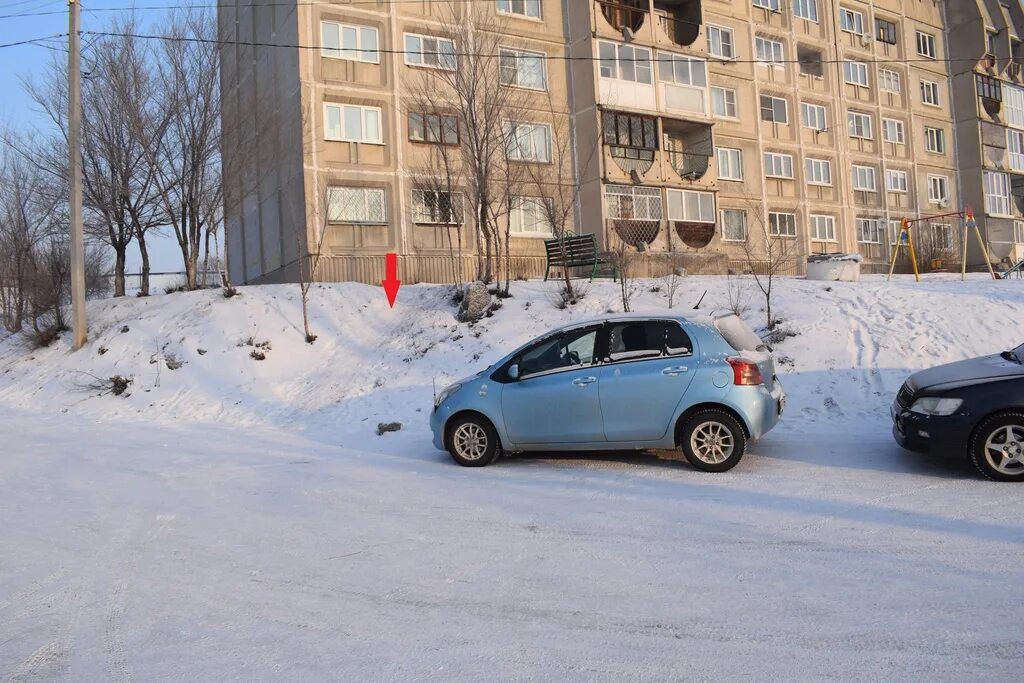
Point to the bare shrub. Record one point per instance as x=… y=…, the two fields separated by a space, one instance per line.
x=737 y=296
x=623 y=258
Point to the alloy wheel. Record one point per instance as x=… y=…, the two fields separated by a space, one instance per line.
x=1004 y=450
x=470 y=441
x=712 y=442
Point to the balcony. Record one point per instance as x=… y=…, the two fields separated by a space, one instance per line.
x=625 y=16
x=679 y=20
x=689 y=146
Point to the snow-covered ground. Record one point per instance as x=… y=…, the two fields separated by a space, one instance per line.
x=236 y=519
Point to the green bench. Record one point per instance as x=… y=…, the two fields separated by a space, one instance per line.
x=580 y=251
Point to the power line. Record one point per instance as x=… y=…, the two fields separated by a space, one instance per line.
x=32 y=41
x=569 y=58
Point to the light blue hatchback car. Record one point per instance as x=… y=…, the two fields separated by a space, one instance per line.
x=705 y=384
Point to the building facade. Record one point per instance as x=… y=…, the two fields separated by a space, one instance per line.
x=704 y=134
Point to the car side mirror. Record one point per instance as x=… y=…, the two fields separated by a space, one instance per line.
x=513 y=371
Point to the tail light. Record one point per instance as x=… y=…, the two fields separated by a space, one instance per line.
x=744 y=372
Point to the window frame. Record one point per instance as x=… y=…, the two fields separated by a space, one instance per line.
x=456 y=200
x=366 y=192
x=735 y=101
x=891 y=173
x=856 y=171
x=813 y=224
x=441 y=118
x=722 y=32
x=516 y=204
x=598 y=331
x=929 y=42
x=774 y=100
x=806 y=107
x=900 y=127
x=990 y=195
x=934 y=140
x=721 y=219
x=891 y=31
x=775 y=224
x=777 y=60
x=341 y=49
x=635 y=63
x=873 y=227
x=868 y=134
x=684 y=194
x=845 y=14
x=772 y=159
x=633 y=192
x=738 y=163
x=861 y=68
x=363 y=109
x=931 y=87
x=888 y=78
x=812 y=168
x=510 y=130
x=423 y=53
x=988 y=87
x=520 y=15
x=943 y=182
x=810 y=6
x=518 y=54
x=1015 y=150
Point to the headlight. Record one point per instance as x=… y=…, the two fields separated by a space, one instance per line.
x=936 y=406
x=446 y=393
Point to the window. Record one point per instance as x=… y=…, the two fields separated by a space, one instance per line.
x=730 y=163
x=682 y=70
x=818 y=171
x=769 y=52
x=1015 y=143
x=934 y=140
x=567 y=350
x=690 y=206
x=823 y=228
x=806 y=9
x=889 y=80
x=523 y=69
x=625 y=62
x=895 y=232
x=778 y=165
x=721 y=43
x=528 y=141
x=893 y=131
x=356 y=205
x=782 y=224
x=930 y=93
x=522 y=8
x=1018 y=232
x=859 y=125
x=850 y=21
x=885 y=31
x=635 y=340
x=344 y=41
x=810 y=61
x=992 y=41
x=723 y=102
x=855 y=73
x=997 y=193
x=989 y=87
x=772 y=5
x=434 y=128
x=630 y=136
x=630 y=202
x=938 y=188
x=1013 y=100
x=437 y=53
x=869 y=231
x=774 y=109
x=431 y=207
x=925 y=44
x=863 y=178
x=896 y=181
x=942 y=236
x=813 y=116
x=734 y=225
x=352 y=123
x=530 y=216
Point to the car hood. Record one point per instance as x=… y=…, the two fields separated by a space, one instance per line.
x=966 y=371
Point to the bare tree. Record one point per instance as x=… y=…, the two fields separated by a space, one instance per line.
x=119 y=190
x=311 y=251
x=187 y=153
x=473 y=80
x=774 y=256
x=623 y=258
x=675 y=277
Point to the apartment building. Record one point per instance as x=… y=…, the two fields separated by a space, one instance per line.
x=702 y=129
x=989 y=91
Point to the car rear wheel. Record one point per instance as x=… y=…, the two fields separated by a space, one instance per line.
x=713 y=441
x=997 y=447
x=472 y=441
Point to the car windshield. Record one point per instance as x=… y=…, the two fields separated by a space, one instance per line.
x=1017 y=354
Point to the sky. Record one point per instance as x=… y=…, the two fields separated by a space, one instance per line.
x=19 y=112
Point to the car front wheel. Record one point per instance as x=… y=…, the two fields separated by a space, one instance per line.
x=997 y=447
x=472 y=441
x=713 y=441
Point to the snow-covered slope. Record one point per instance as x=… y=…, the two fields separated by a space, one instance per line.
x=854 y=345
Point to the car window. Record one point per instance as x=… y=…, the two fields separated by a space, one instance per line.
x=567 y=350
x=677 y=342
x=633 y=340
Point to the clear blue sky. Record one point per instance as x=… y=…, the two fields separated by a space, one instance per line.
x=17 y=110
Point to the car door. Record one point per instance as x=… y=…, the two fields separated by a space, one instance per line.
x=556 y=398
x=647 y=368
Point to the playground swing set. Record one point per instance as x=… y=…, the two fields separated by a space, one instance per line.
x=905 y=239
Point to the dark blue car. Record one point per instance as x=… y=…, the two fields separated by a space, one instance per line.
x=973 y=407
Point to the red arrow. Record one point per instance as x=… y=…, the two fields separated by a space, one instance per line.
x=391 y=282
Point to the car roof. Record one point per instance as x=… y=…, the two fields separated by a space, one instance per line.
x=697 y=317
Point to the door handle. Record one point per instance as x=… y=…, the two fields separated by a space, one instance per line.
x=675 y=370
x=583 y=381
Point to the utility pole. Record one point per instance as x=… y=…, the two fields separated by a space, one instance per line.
x=75 y=174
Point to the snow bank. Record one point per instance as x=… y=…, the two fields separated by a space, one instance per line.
x=854 y=345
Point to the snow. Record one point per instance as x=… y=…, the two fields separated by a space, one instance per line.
x=241 y=520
